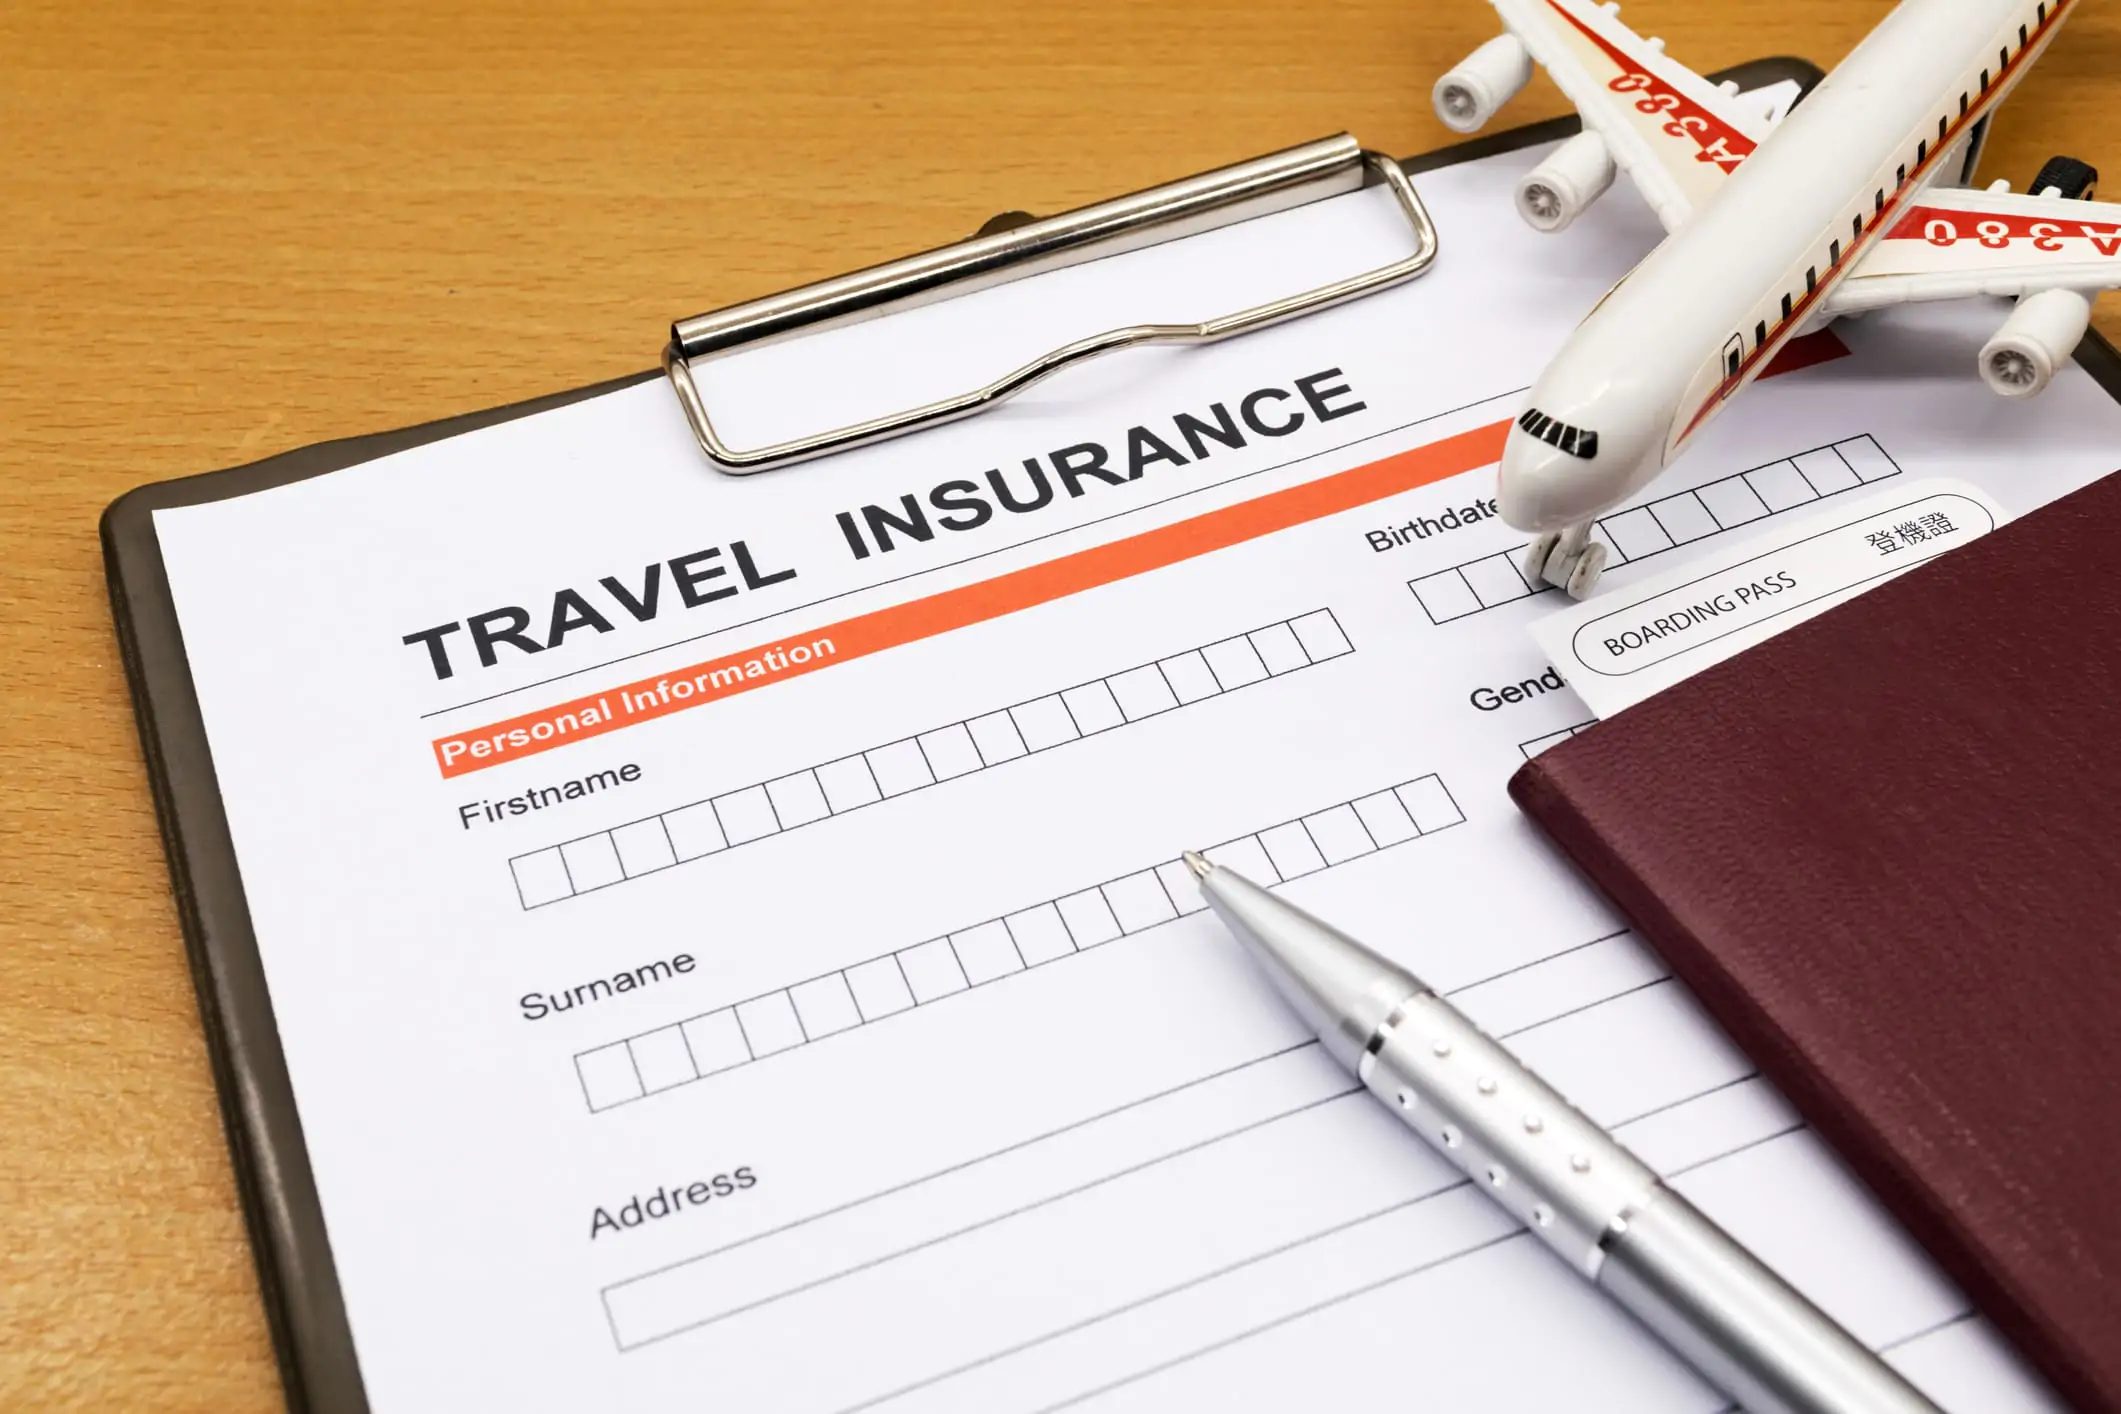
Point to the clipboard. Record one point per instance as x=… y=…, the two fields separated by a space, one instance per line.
x=313 y=1341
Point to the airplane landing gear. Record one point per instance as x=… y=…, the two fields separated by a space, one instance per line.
x=2067 y=178
x=1567 y=559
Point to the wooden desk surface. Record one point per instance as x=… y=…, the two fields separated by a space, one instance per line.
x=230 y=230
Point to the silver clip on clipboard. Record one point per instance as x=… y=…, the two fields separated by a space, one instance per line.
x=1011 y=247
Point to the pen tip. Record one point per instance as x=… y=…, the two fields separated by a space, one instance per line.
x=1198 y=863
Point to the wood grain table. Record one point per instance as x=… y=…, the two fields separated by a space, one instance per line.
x=230 y=230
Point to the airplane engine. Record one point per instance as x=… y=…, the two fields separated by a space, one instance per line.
x=1484 y=80
x=2038 y=338
x=1556 y=191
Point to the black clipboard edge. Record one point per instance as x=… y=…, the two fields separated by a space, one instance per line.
x=312 y=1341
x=305 y=1310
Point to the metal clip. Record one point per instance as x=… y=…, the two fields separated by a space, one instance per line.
x=1281 y=180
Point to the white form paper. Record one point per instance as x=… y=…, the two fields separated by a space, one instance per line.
x=787 y=999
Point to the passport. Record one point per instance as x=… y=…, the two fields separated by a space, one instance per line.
x=1884 y=850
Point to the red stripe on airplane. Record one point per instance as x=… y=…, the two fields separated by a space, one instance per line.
x=1941 y=226
x=1714 y=140
x=1819 y=346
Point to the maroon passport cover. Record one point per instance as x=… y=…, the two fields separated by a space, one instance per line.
x=1884 y=849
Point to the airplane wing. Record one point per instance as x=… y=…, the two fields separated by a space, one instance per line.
x=1674 y=133
x=1953 y=242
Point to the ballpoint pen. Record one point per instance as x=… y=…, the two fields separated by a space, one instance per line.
x=1574 y=1186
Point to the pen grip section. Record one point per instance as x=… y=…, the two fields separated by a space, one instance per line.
x=1507 y=1130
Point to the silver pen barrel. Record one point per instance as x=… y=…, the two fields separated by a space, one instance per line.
x=1575 y=1187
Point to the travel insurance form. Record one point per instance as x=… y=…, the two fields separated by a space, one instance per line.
x=724 y=931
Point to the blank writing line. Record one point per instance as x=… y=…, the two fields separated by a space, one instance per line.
x=1364 y=1290
x=1944 y=1325
x=958 y=1167
x=1784 y=1132
x=1203 y=1279
x=1265 y=1326
x=1535 y=962
x=1587 y=1006
x=1293 y=1245
x=1675 y=1104
x=1015 y=1212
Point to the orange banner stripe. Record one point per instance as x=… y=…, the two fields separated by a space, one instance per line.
x=795 y=655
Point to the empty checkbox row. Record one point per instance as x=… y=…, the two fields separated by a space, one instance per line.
x=1749 y=496
x=689 y=1050
x=1540 y=743
x=926 y=972
x=1336 y=835
x=1046 y=932
x=754 y=812
x=1672 y=520
x=1468 y=588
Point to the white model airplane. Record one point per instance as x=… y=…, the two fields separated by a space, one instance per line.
x=1776 y=225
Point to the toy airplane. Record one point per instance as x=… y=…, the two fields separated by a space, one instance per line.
x=1852 y=201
